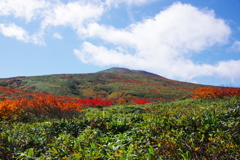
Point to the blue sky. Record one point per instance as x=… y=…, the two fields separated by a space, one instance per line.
x=193 y=41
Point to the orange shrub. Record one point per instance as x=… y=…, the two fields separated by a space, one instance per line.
x=11 y=108
x=210 y=92
x=121 y=100
x=206 y=92
x=39 y=106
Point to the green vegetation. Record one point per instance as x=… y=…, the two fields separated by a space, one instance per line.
x=128 y=83
x=180 y=129
x=63 y=126
x=3 y=83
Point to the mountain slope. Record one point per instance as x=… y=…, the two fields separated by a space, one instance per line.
x=111 y=83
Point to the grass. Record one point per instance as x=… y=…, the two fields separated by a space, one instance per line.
x=181 y=129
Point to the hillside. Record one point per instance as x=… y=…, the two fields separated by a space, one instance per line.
x=111 y=83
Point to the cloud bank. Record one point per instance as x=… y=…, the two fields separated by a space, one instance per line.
x=163 y=44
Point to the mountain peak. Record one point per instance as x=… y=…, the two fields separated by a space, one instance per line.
x=116 y=70
x=125 y=70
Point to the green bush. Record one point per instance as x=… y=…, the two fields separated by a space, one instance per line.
x=3 y=83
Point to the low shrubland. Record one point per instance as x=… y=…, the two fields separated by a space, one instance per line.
x=182 y=129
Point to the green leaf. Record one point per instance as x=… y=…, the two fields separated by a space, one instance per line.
x=151 y=151
x=30 y=152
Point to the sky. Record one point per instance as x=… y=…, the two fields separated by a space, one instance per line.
x=194 y=41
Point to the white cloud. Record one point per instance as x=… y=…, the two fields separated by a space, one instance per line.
x=228 y=69
x=27 y=9
x=73 y=14
x=235 y=47
x=55 y=13
x=57 y=35
x=163 y=44
x=102 y=56
x=14 y=31
x=181 y=27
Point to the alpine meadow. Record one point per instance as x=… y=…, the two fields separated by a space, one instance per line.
x=117 y=114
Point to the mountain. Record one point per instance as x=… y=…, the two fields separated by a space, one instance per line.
x=111 y=83
x=125 y=70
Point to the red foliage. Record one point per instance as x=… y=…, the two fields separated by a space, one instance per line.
x=95 y=102
x=141 y=101
x=210 y=92
x=230 y=91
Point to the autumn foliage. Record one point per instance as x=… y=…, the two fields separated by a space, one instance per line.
x=46 y=105
x=53 y=106
x=121 y=100
x=141 y=101
x=210 y=92
x=40 y=105
x=94 y=102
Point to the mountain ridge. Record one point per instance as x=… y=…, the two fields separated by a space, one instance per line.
x=125 y=70
x=115 y=82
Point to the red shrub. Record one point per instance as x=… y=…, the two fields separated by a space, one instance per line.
x=95 y=102
x=210 y=92
x=142 y=101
